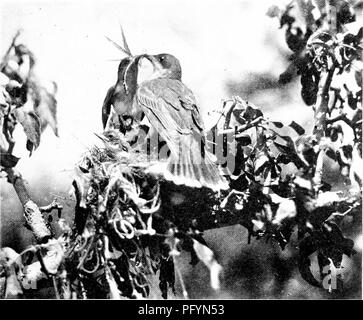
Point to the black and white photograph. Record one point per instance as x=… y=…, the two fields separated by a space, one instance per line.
x=185 y=150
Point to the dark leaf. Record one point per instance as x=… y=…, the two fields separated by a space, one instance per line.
x=286 y=19
x=358 y=77
x=238 y=114
x=252 y=113
x=30 y=146
x=241 y=183
x=283 y=158
x=278 y=124
x=347 y=151
x=243 y=139
x=167 y=274
x=289 y=74
x=299 y=129
x=46 y=109
x=307 y=247
x=334 y=131
x=319 y=215
x=8 y=160
x=309 y=90
x=345 y=13
x=357 y=118
x=295 y=39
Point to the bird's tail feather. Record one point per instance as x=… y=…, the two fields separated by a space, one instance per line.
x=188 y=167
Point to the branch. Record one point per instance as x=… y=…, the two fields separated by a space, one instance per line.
x=32 y=213
x=321 y=111
x=322 y=103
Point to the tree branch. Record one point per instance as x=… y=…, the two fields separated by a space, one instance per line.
x=32 y=214
x=321 y=111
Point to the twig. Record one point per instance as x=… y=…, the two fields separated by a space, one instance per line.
x=53 y=206
x=341 y=117
x=242 y=128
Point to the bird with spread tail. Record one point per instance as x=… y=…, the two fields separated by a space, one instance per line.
x=172 y=111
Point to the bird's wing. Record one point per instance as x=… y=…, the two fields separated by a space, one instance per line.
x=170 y=107
x=187 y=101
x=106 y=107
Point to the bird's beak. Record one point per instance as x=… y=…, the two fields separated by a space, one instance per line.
x=155 y=62
x=149 y=68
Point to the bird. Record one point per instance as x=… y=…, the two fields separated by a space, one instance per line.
x=172 y=110
x=116 y=146
x=121 y=95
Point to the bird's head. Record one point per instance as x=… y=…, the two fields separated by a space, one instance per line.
x=114 y=139
x=165 y=66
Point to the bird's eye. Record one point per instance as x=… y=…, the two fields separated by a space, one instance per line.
x=162 y=58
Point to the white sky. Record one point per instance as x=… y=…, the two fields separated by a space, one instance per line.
x=214 y=40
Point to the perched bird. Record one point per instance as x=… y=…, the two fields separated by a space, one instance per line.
x=172 y=111
x=121 y=95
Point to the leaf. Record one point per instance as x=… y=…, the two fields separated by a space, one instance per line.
x=167 y=272
x=13 y=288
x=252 y=113
x=295 y=39
x=285 y=210
x=81 y=184
x=243 y=139
x=307 y=247
x=335 y=244
x=31 y=125
x=7 y=160
x=289 y=74
x=46 y=110
x=299 y=129
x=273 y=11
x=358 y=77
x=238 y=115
x=206 y=255
x=277 y=124
x=260 y=163
x=309 y=89
x=319 y=215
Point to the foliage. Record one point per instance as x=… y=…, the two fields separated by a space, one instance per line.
x=23 y=100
